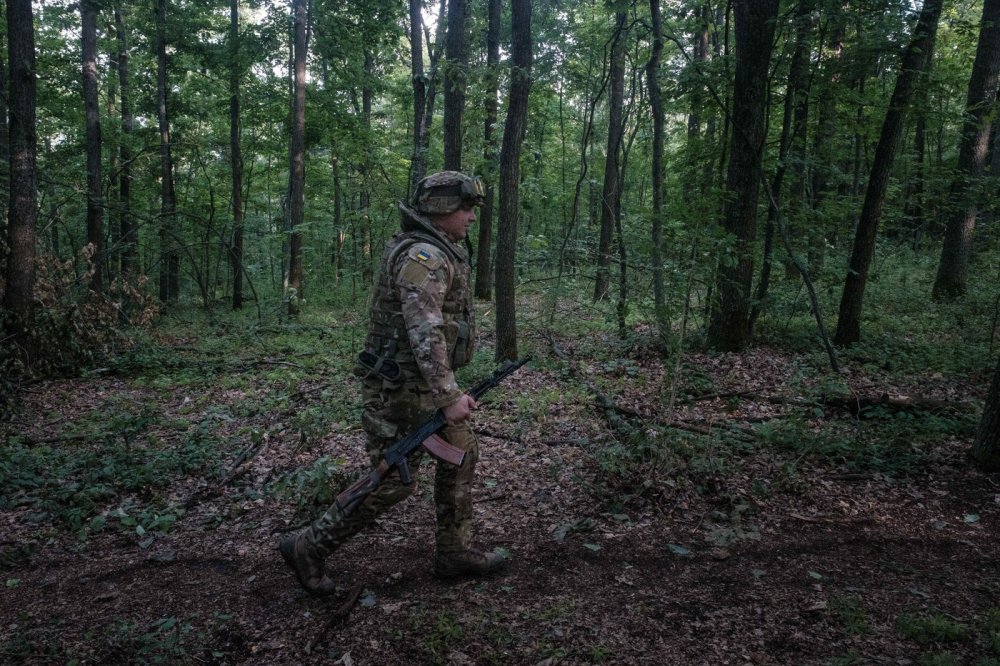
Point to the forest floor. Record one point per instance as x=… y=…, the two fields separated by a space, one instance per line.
x=727 y=510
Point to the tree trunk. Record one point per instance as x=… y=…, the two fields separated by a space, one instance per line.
x=95 y=209
x=418 y=164
x=792 y=119
x=18 y=297
x=4 y=166
x=297 y=159
x=915 y=61
x=236 y=155
x=729 y=328
x=986 y=446
x=454 y=83
x=422 y=142
x=169 y=256
x=611 y=208
x=484 y=267
x=952 y=275
x=656 y=110
x=129 y=229
x=510 y=173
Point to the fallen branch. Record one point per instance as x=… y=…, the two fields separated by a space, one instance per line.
x=740 y=433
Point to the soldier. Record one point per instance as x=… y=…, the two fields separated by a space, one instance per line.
x=421 y=318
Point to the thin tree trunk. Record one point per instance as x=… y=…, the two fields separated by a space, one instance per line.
x=18 y=297
x=235 y=155
x=95 y=208
x=656 y=109
x=454 y=83
x=791 y=118
x=510 y=172
x=129 y=229
x=4 y=164
x=952 y=276
x=729 y=328
x=169 y=256
x=914 y=62
x=484 y=264
x=297 y=159
x=611 y=197
x=418 y=163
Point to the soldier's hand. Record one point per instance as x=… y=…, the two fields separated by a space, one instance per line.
x=460 y=410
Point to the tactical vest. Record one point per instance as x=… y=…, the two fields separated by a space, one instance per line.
x=387 y=336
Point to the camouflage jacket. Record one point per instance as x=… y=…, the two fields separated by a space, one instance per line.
x=420 y=313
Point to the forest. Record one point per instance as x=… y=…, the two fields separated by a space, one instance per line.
x=750 y=248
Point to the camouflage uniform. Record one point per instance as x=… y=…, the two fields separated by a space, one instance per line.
x=421 y=317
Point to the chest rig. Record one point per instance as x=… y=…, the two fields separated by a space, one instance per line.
x=388 y=343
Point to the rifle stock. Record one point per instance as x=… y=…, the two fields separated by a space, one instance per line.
x=423 y=435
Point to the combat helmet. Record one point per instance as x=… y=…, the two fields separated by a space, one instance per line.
x=447 y=191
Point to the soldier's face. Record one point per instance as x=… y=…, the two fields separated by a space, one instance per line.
x=456 y=224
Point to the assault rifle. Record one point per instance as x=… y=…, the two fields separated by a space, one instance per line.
x=423 y=435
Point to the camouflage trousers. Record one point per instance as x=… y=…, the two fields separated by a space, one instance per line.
x=390 y=414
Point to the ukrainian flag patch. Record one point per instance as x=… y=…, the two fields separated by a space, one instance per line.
x=422 y=256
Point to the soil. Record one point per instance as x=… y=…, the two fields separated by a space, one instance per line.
x=773 y=558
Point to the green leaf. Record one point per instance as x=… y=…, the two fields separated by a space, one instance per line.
x=679 y=551
x=593 y=547
x=815 y=575
x=13 y=582
x=971 y=518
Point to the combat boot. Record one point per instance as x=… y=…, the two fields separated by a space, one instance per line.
x=307 y=564
x=470 y=562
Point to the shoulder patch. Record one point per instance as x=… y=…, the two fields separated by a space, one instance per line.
x=416 y=267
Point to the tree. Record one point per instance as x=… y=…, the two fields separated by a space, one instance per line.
x=916 y=58
x=129 y=229
x=418 y=162
x=792 y=124
x=484 y=267
x=952 y=275
x=656 y=110
x=510 y=174
x=986 y=446
x=729 y=328
x=456 y=61
x=297 y=158
x=95 y=208
x=18 y=297
x=169 y=255
x=611 y=195
x=235 y=154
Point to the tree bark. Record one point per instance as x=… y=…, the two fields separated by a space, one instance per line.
x=95 y=208
x=169 y=256
x=952 y=276
x=235 y=155
x=915 y=61
x=418 y=163
x=18 y=297
x=297 y=159
x=129 y=230
x=484 y=264
x=456 y=59
x=729 y=327
x=986 y=446
x=611 y=208
x=656 y=223
x=510 y=173
x=4 y=166
x=793 y=119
